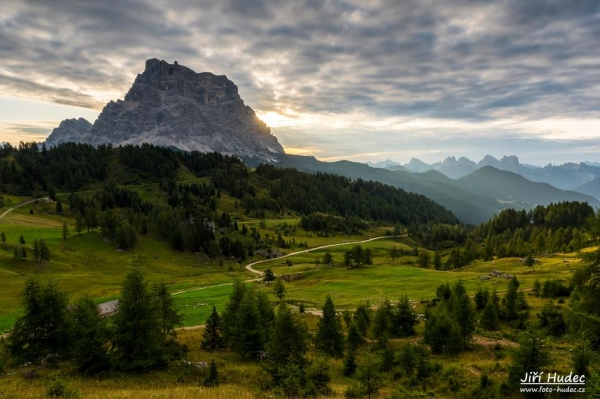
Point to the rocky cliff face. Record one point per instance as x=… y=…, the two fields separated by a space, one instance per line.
x=70 y=130
x=171 y=105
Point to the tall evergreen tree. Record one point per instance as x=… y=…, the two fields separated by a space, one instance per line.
x=404 y=319
x=437 y=261
x=349 y=363
x=354 y=339
x=279 y=288
x=90 y=336
x=531 y=355
x=44 y=328
x=169 y=317
x=65 y=231
x=464 y=315
x=329 y=338
x=288 y=341
x=510 y=300
x=212 y=380
x=442 y=333
x=369 y=376
x=481 y=298
x=382 y=324
x=230 y=314
x=44 y=251
x=266 y=312
x=212 y=338
x=36 y=250
x=489 y=317
x=139 y=343
x=78 y=223
x=362 y=318
x=249 y=334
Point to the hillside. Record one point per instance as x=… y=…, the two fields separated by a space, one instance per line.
x=473 y=200
x=591 y=188
x=515 y=189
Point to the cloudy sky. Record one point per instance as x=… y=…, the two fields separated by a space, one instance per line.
x=360 y=80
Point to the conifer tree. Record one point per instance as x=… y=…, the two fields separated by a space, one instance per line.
x=354 y=340
x=279 y=288
x=36 y=250
x=442 y=333
x=437 y=261
x=90 y=335
x=230 y=314
x=65 y=231
x=481 y=298
x=78 y=223
x=169 y=317
x=489 y=317
x=381 y=322
x=510 y=300
x=249 y=334
x=212 y=380
x=463 y=315
x=394 y=253
x=404 y=318
x=268 y=275
x=212 y=338
x=139 y=343
x=266 y=311
x=44 y=328
x=349 y=363
x=288 y=340
x=531 y=354
x=328 y=259
x=369 y=376
x=329 y=338
x=44 y=251
x=362 y=318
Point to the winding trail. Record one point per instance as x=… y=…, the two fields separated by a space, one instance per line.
x=252 y=270
x=9 y=210
x=258 y=272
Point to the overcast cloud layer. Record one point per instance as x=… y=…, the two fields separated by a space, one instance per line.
x=336 y=79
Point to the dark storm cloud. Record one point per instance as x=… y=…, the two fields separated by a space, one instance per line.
x=465 y=60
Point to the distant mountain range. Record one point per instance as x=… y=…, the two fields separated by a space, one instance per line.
x=473 y=198
x=582 y=177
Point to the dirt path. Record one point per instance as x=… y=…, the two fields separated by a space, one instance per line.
x=252 y=270
x=9 y=210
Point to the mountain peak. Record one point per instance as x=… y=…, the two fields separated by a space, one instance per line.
x=488 y=160
x=171 y=105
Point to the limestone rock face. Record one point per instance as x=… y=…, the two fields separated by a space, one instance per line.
x=171 y=105
x=69 y=130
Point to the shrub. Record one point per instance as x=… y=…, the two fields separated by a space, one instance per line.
x=59 y=389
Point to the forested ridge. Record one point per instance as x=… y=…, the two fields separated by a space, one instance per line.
x=544 y=230
x=186 y=215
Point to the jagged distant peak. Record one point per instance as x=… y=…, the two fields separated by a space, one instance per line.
x=171 y=105
x=383 y=164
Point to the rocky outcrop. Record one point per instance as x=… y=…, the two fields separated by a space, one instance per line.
x=70 y=130
x=171 y=105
